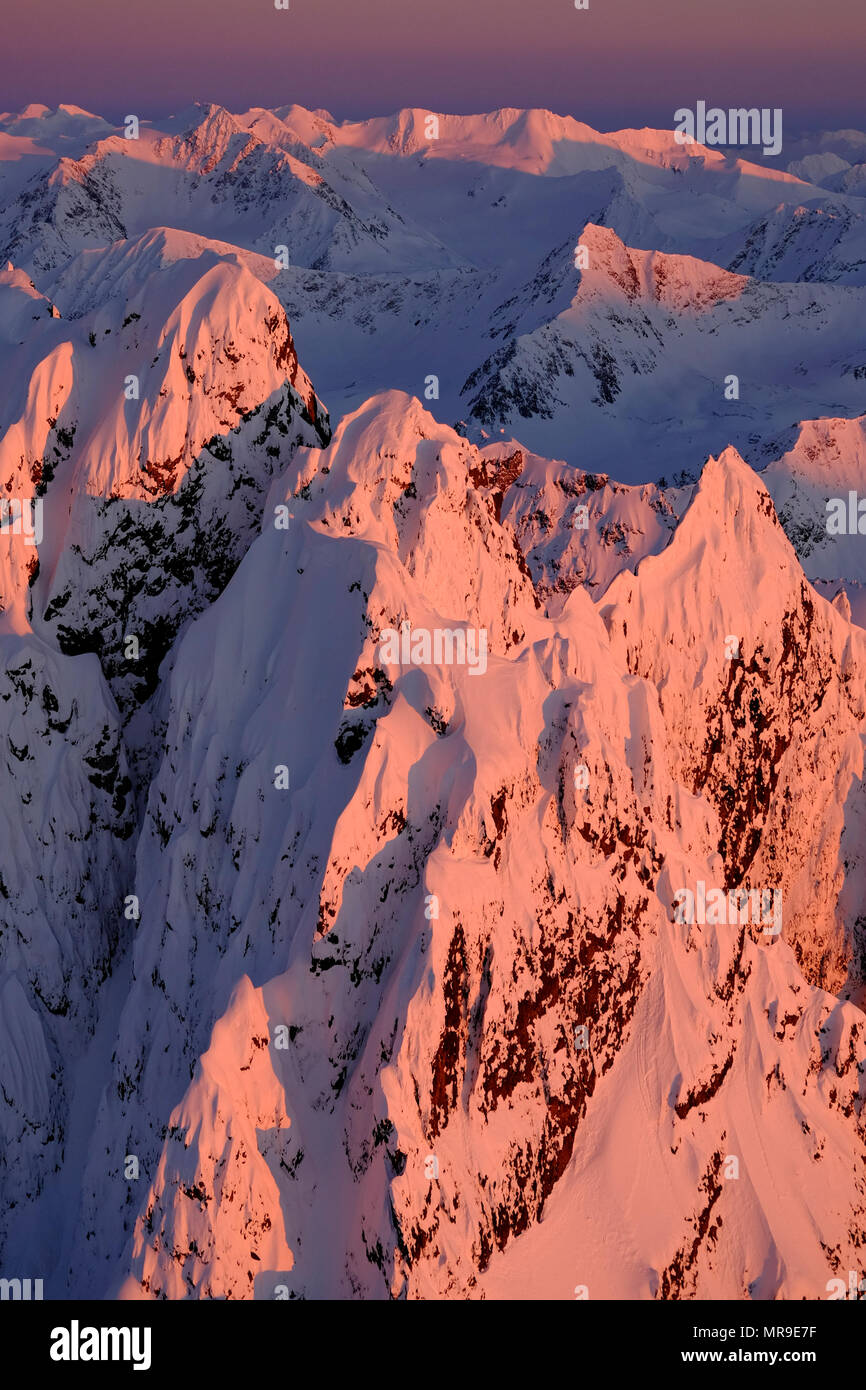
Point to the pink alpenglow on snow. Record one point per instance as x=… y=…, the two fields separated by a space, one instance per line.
x=442 y=647
x=328 y=970
x=715 y=907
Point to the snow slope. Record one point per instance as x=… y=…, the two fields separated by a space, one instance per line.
x=330 y=973
x=315 y=1032
x=826 y=461
x=405 y=240
x=635 y=357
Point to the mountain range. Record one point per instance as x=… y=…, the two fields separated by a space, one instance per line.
x=326 y=974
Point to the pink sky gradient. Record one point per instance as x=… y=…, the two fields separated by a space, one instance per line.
x=620 y=62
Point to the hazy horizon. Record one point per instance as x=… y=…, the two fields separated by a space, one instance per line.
x=612 y=65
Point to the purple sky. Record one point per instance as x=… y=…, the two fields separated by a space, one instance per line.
x=620 y=62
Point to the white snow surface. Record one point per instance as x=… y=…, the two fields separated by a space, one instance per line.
x=336 y=1022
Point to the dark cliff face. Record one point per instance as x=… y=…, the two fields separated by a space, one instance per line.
x=147 y=567
x=154 y=544
x=759 y=705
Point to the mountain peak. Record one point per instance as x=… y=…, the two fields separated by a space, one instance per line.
x=730 y=475
x=206 y=140
x=728 y=544
x=675 y=281
x=732 y=510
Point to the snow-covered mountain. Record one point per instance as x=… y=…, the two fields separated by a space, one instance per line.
x=354 y=782
x=387 y=963
x=413 y=240
x=824 y=466
x=665 y=357
x=835 y=159
x=160 y=418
